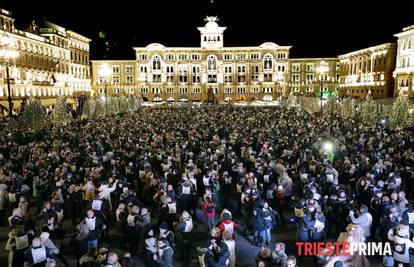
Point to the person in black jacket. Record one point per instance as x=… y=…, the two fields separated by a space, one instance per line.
x=165 y=254
x=95 y=226
x=37 y=255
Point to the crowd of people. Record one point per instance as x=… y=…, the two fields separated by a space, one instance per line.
x=150 y=180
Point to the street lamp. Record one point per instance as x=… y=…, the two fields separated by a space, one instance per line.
x=105 y=71
x=8 y=52
x=322 y=69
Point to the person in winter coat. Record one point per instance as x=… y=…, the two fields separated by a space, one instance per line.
x=37 y=255
x=150 y=249
x=231 y=245
x=258 y=229
x=183 y=231
x=53 y=250
x=165 y=254
x=17 y=245
x=264 y=258
x=364 y=220
x=121 y=224
x=95 y=227
x=269 y=220
x=402 y=237
x=209 y=210
x=227 y=224
x=279 y=256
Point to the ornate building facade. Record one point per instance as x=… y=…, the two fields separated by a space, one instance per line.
x=368 y=70
x=404 y=71
x=305 y=76
x=227 y=74
x=51 y=61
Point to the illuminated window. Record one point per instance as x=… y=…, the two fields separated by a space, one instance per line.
x=115 y=79
x=268 y=62
x=115 y=69
x=295 y=67
x=212 y=62
x=156 y=63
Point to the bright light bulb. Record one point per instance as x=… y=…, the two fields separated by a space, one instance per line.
x=328 y=146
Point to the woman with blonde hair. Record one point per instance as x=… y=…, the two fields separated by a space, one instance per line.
x=89 y=189
x=264 y=258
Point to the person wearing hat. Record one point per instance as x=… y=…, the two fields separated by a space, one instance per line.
x=165 y=254
x=227 y=224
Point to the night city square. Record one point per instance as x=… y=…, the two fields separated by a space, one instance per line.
x=207 y=133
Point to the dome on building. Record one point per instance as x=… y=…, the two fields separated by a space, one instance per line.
x=155 y=46
x=212 y=26
x=268 y=45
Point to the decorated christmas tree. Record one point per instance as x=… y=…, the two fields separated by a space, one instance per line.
x=33 y=116
x=369 y=114
x=400 y=116
x=60 y=113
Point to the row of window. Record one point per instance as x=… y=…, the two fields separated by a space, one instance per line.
x=41 y=50
x=196 y=69
x=365 y=91
x=310 y=77
x=227 y=90
x=129 y=69
x=363 y=65
x=226 y=56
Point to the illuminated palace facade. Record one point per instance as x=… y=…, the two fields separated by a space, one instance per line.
x=228 y=74
x=51 y=61
x=404 y=71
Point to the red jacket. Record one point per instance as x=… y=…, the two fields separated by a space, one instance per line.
x=227 y=223
x=205 y=206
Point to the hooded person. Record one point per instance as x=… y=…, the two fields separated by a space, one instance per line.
x=227 y=224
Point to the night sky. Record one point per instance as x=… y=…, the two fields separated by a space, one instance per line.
x=313 y=28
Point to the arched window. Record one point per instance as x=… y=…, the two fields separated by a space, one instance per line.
x=212 y=62
x=268 y=62
x=156 y=63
